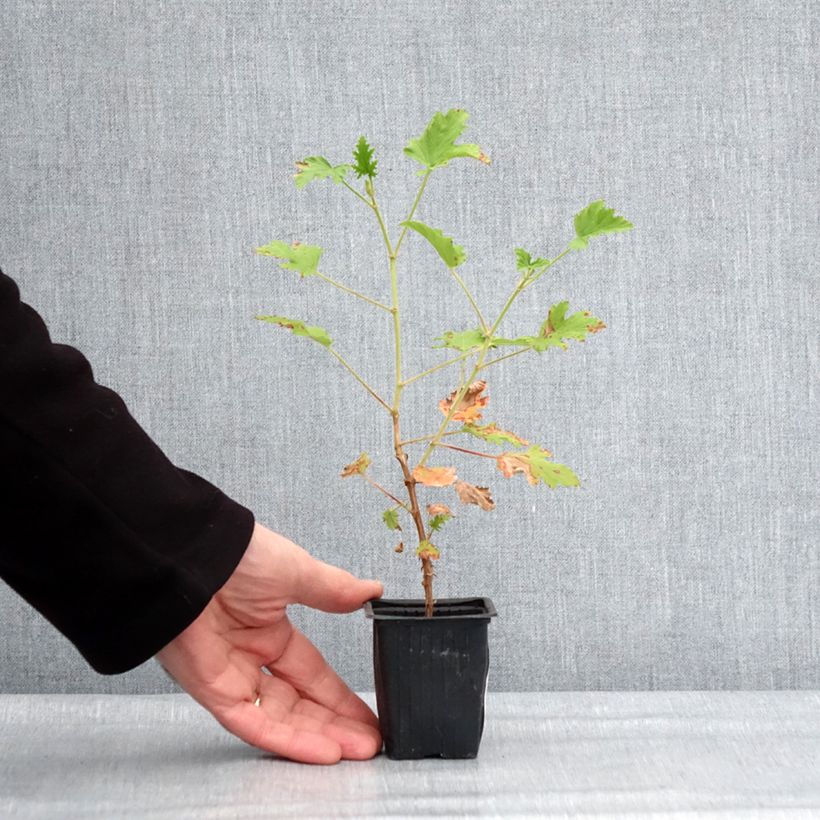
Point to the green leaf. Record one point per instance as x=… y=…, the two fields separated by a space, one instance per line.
x=493 y=434
x=438 y=521
x=363 y=155
x=452 y=255
x=312 y=168
x=525 y=262
x=436 y=146
x=302 y=258
x=391 y=519
x=594 y=220
x=462 y=340
x=318 y=334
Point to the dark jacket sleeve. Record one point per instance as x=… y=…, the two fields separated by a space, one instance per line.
x=99 y=531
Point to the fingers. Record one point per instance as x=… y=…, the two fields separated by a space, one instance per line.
x=302 y=665
x=253 y=725
x=332 y=589
x=290 y=726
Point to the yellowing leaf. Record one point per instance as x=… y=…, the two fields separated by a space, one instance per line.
x=594 y=220
x=575 y=326
x=318 y=334
x=470 y=404
x=356 y=467
x=494 y=434
x=451 y=254
x=436 y=146
x=427 y=550
x=435 y=476
x=470 y=494
x=312 y=168
x=438 y=509
x=511 y=463
x=299 y=257
x=536 y=466
x=462 y=340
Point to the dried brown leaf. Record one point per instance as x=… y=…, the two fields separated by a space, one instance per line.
x=435 y=476
x=357 y=467
x=438 y=509
x=470 y=494
x=469 y=407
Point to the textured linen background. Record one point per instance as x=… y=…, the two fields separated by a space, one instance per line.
x=148 y=147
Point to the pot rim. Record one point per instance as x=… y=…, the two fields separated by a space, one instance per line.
x=372 y=609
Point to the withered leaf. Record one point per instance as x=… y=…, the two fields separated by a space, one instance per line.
x=470 y=494
x=400 y=547
x=435 y=476
x=438 y=509
x=469 y=407
x=356 y=467
x=494 y=434
x=536 y=466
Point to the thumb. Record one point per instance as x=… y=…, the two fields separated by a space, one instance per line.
x=332 y=589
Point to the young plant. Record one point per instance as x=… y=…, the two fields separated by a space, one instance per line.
x=466 y=404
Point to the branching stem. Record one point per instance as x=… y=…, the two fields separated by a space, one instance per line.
x=437 y=367
x=361 y=381
x=352 y=291
x=386 y=492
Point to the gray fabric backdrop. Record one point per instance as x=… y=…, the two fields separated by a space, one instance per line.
x=147 y=148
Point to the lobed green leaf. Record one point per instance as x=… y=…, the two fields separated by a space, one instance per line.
x=594 y=220
x=391 y=519
x=437 y=146
x=365 y=164
x=299 y=257
x=438 y=521
x=525 y=262
x=312 y=168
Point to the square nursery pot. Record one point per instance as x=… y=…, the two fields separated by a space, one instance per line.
x=431 y=675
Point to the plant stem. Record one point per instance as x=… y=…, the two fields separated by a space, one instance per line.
x=465 y=450
x=401 y=456
x=386 y=492
x=354 y=292
x=547 y=267
x=470 y=297
x=351 y=188
x=413 y=208
x=505 y=356
x=437 y=367
x=427 y=438
x=361 y=381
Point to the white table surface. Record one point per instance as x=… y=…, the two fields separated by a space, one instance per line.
x=668 y=754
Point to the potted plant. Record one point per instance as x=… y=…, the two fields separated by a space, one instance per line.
x=430 y=656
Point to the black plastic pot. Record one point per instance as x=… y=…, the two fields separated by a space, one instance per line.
x=431 y=675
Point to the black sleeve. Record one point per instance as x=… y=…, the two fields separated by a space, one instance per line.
x=99 y=531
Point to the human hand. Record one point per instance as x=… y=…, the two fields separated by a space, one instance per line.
x=302 y=710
